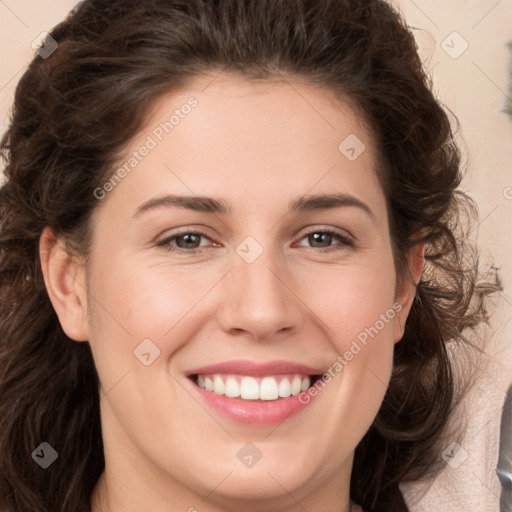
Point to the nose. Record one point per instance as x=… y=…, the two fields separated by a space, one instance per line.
x=259 y=300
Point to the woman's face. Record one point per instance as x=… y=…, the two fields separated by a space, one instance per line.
x=291 y=277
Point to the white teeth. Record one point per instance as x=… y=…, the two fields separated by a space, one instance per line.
x=251 y=388
x=269 y=389
x=296 y=385
x=218 y=385
x=285 y=388
x=232 y=388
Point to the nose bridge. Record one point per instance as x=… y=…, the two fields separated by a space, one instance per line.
x=257 y=299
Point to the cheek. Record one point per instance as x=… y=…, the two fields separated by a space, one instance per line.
x=132 y=302
x=357 y=309
x=354 y=302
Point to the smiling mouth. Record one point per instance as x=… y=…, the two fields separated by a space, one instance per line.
x=246 y=387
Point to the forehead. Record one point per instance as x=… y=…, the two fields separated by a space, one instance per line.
x=228 y=137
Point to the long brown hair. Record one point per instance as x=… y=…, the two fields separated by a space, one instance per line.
x=74 y=112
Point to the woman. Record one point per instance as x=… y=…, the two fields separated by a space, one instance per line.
x=231 y=261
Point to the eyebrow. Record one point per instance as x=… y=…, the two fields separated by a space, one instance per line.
x=219 y=206
x=197 y=203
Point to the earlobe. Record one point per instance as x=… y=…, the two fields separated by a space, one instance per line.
x=407 y=290
x=64 y=279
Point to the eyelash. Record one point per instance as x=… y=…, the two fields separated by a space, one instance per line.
x=345 y=241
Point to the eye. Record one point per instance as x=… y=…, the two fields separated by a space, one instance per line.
x=187 y=241
x=323 y=240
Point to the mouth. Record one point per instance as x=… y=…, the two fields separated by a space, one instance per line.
x=249 y=387
x=253 y=393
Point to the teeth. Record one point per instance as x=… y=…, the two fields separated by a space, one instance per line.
x=232 y=388
x=251 y=388
x=306 y=382
x=218 y=385
x=296 y=385
x=285 y=388
x=269 y=389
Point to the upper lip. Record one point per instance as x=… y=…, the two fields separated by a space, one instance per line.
x=243 y=367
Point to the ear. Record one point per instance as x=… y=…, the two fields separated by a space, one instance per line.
x=64 y=277
x=406 y=290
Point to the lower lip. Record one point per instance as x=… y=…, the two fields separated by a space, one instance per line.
x=259 y=412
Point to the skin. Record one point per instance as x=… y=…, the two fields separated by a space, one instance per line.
x=257 y=146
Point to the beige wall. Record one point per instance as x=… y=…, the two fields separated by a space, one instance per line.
x=476 y=86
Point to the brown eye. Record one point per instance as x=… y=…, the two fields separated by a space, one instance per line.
x=187 y=241
x=324 y=239
x=327 y=240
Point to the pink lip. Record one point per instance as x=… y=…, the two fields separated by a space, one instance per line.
x=243 y=367
x=254 y=412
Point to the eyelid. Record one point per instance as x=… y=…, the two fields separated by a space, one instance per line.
x=345 y=239
x=343 y=233
x=165 y=241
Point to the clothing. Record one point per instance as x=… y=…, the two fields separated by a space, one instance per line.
x=504 y=469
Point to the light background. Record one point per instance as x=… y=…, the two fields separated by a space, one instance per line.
x=475 y=86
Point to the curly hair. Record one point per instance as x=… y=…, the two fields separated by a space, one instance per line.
x=73 y=114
